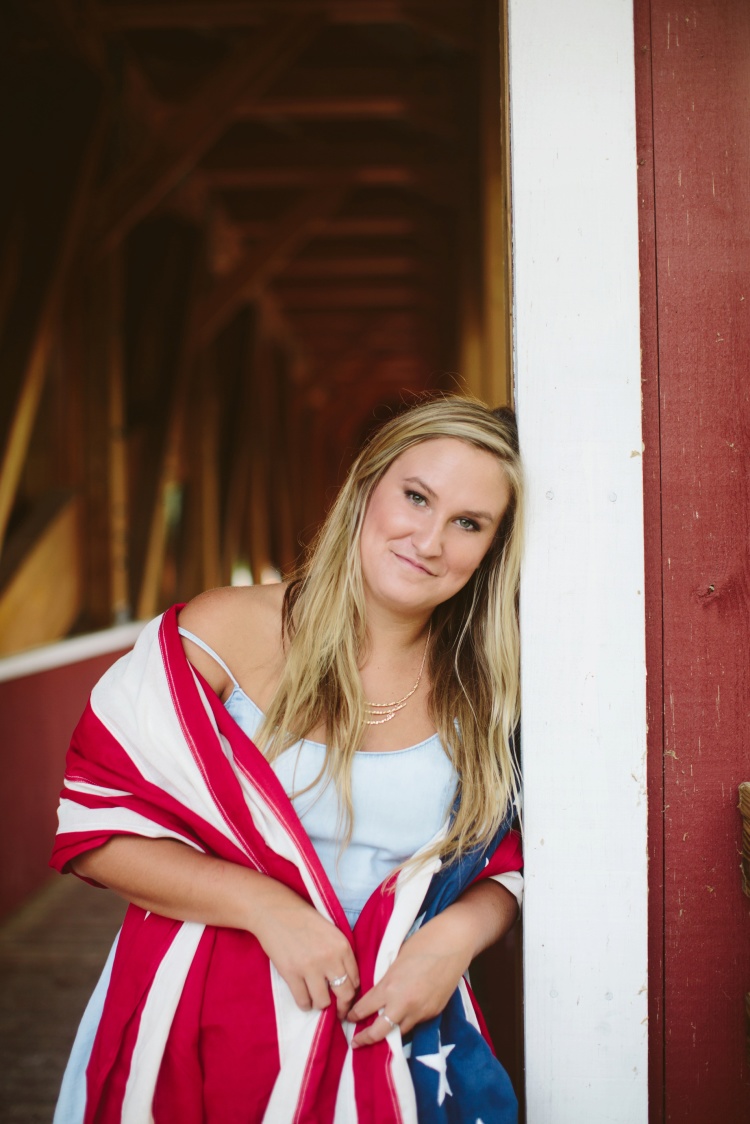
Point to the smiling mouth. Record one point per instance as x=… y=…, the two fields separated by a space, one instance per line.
x=414 y=565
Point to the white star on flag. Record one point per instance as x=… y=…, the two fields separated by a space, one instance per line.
x=438 y=1063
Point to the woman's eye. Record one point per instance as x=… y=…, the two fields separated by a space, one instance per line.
x=468 y=524
x=416 y=498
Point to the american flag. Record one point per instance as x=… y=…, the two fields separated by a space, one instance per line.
x=197 y=1025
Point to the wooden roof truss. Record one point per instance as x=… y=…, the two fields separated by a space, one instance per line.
x=265 y=221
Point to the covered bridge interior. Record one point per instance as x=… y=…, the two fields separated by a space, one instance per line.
x=235 y=235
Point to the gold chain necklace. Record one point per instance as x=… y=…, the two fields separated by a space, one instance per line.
x=384 y=712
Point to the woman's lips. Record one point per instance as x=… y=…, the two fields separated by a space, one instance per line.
x=415 y=565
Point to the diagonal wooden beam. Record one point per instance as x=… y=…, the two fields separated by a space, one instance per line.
x=266 y=261
x=194 y=128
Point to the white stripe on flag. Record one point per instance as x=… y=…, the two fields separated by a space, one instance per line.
x=295 y=1031
x=156 y=1022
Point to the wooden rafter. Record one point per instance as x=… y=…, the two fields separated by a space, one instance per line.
x=368 y=295
x=403 y=265
x=366 y=226
x=421 y=112
x=397 y=174
x=265 y=262
x=242 y=149
x=198 y=124
x=318 y=83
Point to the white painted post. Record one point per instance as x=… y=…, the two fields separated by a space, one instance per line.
x=577 y=372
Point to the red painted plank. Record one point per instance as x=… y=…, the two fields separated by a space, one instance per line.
x=653 y=556
x=701 y=97
x=39 y=714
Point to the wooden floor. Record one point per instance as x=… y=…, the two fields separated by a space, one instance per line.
x=51 y=953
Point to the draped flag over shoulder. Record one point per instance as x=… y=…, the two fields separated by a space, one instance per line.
x=197 y=1025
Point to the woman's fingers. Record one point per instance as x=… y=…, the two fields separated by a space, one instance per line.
x=300 y=993
x=368 y=1004
x=308 y=951
x=379 y=1030
x=343 y=993
x=317 y=985
x=346 y=991
x=384 y=1024
x=389 y=1017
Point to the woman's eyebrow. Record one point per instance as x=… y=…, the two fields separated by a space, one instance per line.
x=433 y=495
x=421 y=484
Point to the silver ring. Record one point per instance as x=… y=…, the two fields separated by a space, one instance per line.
x=339 y=980
x=392 y=1025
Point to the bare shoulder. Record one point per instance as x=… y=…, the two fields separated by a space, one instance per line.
x=242 y=624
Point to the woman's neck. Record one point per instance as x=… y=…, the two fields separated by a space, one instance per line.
x=391 y=636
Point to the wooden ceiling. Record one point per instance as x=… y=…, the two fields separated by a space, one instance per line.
x=281 y=213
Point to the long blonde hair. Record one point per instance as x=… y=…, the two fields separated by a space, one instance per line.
x=474 y=654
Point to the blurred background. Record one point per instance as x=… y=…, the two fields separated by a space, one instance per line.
x=234 y=236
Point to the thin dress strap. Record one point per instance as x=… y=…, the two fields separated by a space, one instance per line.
x=209 y=651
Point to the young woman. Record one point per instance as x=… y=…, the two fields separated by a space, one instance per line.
x=305 y=791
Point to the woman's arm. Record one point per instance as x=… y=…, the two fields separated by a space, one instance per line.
x=430 y=963
x=170 y=878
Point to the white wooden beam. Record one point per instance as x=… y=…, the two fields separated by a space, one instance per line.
x=577 y=362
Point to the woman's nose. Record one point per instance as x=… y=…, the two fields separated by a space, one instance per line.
x=428 y=538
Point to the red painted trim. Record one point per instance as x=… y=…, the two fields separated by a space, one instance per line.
x=701 y=319
x=653 y=552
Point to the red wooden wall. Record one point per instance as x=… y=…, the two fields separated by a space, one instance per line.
x=693 y=104
x=39 y=713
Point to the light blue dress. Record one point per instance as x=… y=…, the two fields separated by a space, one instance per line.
x=400 y=800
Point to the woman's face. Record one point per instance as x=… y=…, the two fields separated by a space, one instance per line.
x=429 y=523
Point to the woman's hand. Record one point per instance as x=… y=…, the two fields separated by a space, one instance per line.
x=308 y=952
x=417 y=985
x=167 y=877
x=430 y=964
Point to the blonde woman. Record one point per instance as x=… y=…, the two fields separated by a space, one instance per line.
x=305 y=792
